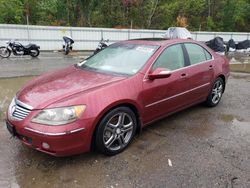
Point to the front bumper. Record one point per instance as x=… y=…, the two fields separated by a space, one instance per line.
x=60 y=143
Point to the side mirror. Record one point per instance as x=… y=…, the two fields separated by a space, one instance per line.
x=159 y=73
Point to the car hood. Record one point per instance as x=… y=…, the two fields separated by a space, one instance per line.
x=49 y=88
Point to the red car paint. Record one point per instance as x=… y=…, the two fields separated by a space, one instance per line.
x=100 y=92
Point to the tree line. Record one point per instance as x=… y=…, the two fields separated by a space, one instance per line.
x=196 y=15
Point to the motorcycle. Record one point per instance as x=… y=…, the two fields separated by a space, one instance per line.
x=102 y=44
x=68 y=44
x=18 y=49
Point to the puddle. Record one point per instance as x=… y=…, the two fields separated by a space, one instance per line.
x=238 y=124
x=227 y=117
x=243 y=126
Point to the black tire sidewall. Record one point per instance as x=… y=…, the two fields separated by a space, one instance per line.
x=209 y=101
x=37 y=54
x=9 y=52
x=66 y=52
x=99 y=145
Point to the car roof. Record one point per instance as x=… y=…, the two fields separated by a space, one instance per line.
x=157 y=41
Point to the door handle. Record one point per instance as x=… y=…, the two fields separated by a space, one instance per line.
x=183 y=75
x=211 y=67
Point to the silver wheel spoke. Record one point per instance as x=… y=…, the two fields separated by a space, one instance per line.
x=111 y=126
x=121 y=140
x=127 y=128
x=214 y=91
x=214 y=99
x=219 y=95
x=219 y=89
x=121 y=119
x=110 y=141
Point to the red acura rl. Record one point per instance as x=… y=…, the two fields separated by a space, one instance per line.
x=103 y=101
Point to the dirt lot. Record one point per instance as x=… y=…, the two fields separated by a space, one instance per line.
x=198 y=147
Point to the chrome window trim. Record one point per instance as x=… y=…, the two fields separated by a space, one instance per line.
x=145 y=78
x=179 y=94
x=146 y=75
x=204 y=54
x=54 y=134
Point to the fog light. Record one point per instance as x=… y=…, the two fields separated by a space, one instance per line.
x=45 y=145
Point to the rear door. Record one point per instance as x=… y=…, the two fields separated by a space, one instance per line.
x=201 y=71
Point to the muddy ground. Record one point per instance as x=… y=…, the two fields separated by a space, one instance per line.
x=198 y=147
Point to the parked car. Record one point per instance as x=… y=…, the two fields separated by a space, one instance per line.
x=105 y=100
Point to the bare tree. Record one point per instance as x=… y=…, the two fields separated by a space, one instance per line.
x=155 y=4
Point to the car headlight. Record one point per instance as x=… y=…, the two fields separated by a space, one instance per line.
x=59 y=116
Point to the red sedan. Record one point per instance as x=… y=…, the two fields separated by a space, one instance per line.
x=105 y=100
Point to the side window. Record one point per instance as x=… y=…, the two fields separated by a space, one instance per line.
x=171 y=58
x=196 y=53
x=208 y=55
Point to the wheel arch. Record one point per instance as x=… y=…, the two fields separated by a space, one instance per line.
x=130 y=105
x=224 y=80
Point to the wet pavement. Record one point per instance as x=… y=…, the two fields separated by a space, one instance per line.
x=46 y=61
x=198 y=147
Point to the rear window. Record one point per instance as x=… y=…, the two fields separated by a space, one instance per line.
x=197 y=54
x=208 y=55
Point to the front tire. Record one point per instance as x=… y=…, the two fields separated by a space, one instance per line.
x=215 y=94
x=115 y=131
x=4 y=52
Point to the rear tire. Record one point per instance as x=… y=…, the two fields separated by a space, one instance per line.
x=97 y=51
x=216 y=92
x=4 y=52
x=66 y=51
x=34 y=53
x=115 y=131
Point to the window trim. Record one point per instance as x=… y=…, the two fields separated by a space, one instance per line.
x=208 y=53
x=186 y=60
x=184 y=56
x=207 y=60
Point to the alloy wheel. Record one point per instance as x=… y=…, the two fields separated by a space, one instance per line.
x=217 y=91
x=118 y=131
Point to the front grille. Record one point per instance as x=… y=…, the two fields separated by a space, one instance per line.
x=20 y=112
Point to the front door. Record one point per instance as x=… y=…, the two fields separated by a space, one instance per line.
x=165 y=95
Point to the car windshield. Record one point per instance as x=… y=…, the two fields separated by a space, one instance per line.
x=120 y=58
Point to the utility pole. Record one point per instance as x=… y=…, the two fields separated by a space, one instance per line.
x=68 y=12
x=27 y=20
x=209 y=8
